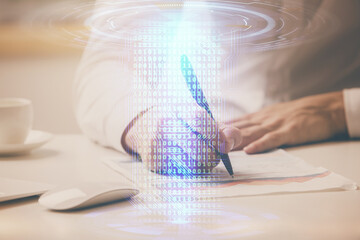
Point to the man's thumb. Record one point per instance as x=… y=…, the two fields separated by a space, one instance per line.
x=232 y=139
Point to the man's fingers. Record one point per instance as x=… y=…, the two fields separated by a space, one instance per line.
x=267 y=142
x=206 y=127
x=251 y=134
x=196 y=149
x=236 y=139
x=243 y=124
x=230 y=138
x=179 y=139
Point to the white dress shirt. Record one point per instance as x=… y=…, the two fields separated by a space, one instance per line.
x=106 y=101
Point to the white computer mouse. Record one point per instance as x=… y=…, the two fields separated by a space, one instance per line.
x=86 y=194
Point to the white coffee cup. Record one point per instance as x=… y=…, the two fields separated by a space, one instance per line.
x=16 y=117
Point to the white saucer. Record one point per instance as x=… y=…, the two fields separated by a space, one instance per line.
x=34 y=140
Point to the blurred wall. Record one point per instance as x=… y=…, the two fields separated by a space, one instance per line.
x=37 y=62
x=46 y=81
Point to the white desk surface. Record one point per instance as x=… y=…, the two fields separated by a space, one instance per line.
x=67 y=158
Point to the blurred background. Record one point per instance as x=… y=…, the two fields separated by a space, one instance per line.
x=39 y=57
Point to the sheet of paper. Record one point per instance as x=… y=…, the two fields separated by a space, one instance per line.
x=267 y=173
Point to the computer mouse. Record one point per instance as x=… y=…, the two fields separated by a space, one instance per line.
x=86 y=194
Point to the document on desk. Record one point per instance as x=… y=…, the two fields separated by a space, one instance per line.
x=267 y=173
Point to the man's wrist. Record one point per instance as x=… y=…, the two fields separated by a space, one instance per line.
x=351 y=99
x=128 y=138
x=337 y=113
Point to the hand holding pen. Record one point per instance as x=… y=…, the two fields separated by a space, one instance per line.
x=171 y=145
x=175 y=146
x=198 y=95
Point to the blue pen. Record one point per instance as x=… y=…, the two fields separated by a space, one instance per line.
x=197 y=93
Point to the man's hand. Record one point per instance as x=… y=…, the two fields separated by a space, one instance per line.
x=308 y=119
x=185 y=141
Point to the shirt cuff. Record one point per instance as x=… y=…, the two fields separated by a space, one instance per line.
x=352 y=111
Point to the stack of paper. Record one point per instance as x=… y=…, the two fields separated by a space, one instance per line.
x=267 y=173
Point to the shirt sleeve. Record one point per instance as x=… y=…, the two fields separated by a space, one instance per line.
x=352 y=111
x=104 y=99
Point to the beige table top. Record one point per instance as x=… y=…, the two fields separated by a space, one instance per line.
x=68 y=158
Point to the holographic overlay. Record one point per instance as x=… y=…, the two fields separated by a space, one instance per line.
x=196 y=221
x=198 y=95
x=257 y=25
x=175 y=136
x=180 y=134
